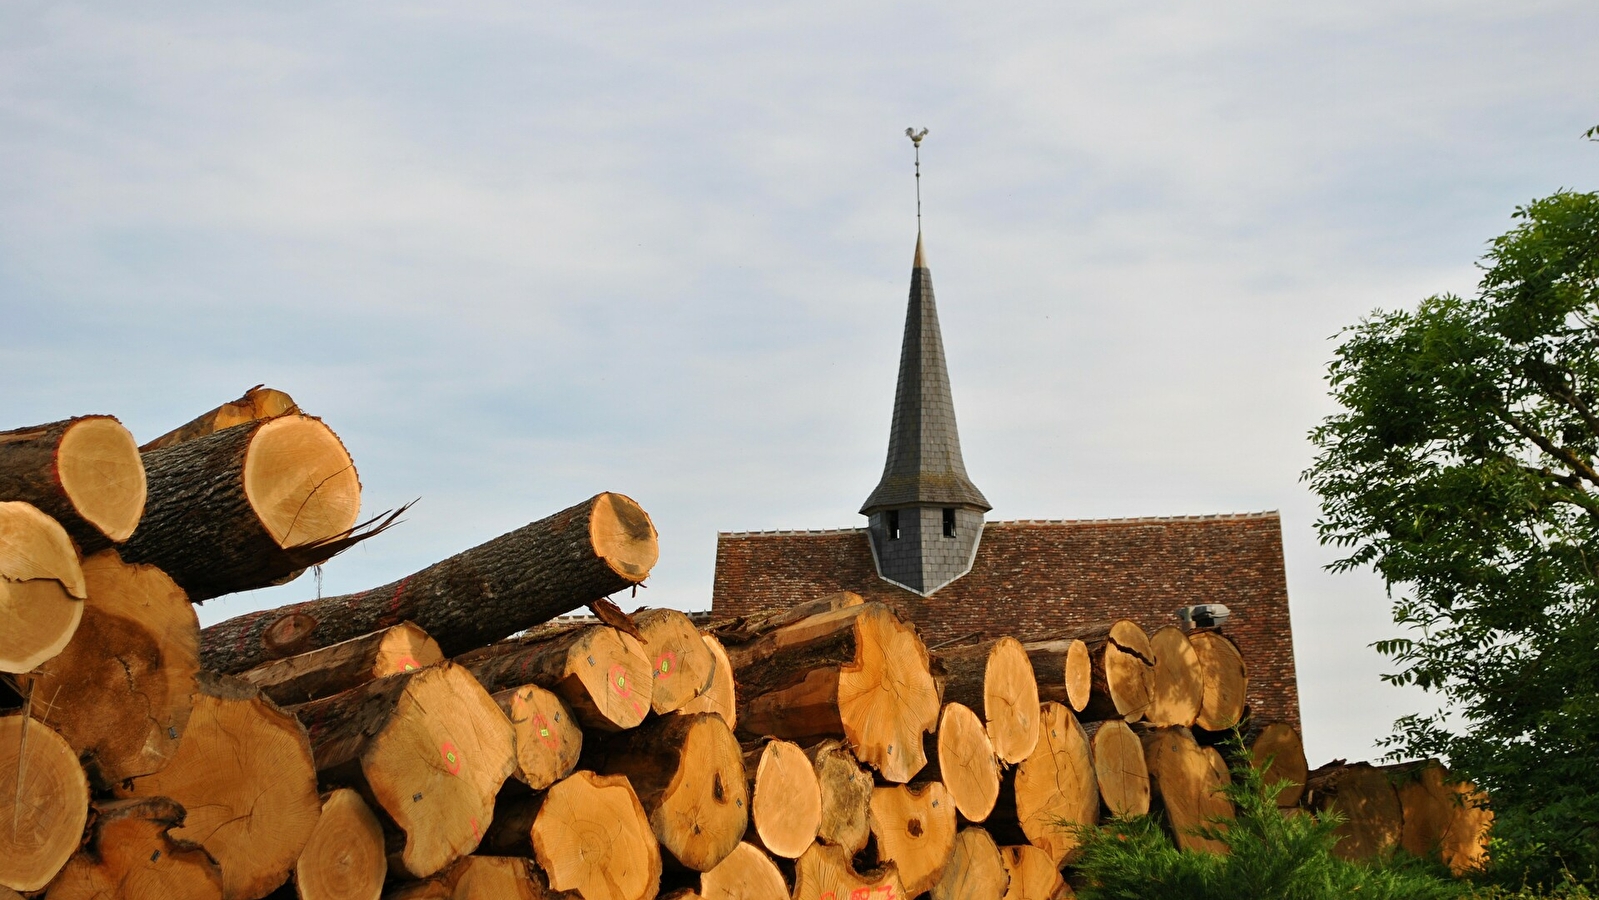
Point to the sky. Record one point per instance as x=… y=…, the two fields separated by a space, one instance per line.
x=517 y=254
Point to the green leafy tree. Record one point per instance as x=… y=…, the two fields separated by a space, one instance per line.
x=1462 y=468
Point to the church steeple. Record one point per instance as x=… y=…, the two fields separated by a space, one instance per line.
x=926 y=516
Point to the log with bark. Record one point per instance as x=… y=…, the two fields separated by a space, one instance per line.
x=44 y=802
x=430 y=747
x=997 y=678
x=914 y=830
x=681 y=666
x=121 y=691
x=964 y=761
x=1119 y=767
x=1188 y=780
x=130 y=854
x=1277 y=751
x=746 y=874
x=688 y=773
x=744 y=629
x=1063 y=671
x=41 y=587
x=1225 y=680
x=259 y=402
x=546 y=734
x=85 y=473
x=976 y=871
x=826 y=872
x=344 y=859
x=1443 y=819
x=1364 y=795
x=1178 y=686
x=601 y=673
x=243 y=771
x=332 y=670
x=719 y=695
x=511 y=583
x=592 y=836
x=1054 y=788
x=1122 y=672
x=1033 y=874
x=785 y=798
x=858 y=671
x=846 y=796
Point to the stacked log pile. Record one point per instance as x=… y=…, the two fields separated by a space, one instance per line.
x=441 y=736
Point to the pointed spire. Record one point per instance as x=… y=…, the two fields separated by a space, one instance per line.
x=924 y=466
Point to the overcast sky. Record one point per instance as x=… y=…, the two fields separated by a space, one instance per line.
x=516 y=253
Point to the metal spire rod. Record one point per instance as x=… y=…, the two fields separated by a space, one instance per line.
x=916 y=141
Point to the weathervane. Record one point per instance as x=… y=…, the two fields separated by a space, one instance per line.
x=916 y=141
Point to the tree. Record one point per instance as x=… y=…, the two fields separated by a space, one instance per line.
x=1462 y=468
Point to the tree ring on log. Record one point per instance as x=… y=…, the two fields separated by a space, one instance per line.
x=41 y=587
x=591 y=836
x=44 y=803
x=623 y=536
x=1010 y=701
x=101 y=473
x=301 y=481
x=886 y=696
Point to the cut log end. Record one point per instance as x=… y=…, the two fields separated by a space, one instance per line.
x=1010 y=700
x=915 y=831
x=886 y=696
x=719 y=695
x=1129 y=675
x=746 y=874
x=344 y=859
x=1055 y=787
x=301 y=482
x=826 y=872
x=681 y=664
x=130 y=853
x=623 y=536
x=1280 y=755
x=846 y=796
x=967 y=763
x=44 y=803
x=1033 y=875
x=689 y=774
x=976 y=870
x=548 y=739
x=591 y=836
x=1189 y=780
x=1079 y=675
x=1119 y=768
x=786 y=800
x=1226 y=681
x=41 y=587
x=1178 y=681
x=102 y=475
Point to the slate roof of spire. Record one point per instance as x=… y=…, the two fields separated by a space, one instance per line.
x=924 y=465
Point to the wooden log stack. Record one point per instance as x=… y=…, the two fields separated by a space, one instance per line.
x=442 y=736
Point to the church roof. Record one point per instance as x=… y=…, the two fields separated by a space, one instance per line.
x=924 y=465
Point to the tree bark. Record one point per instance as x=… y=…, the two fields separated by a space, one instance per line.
x=680 y=663
x=718 y=695
x=846 y=796
x=430 y=747
x=130 y=854
x=517 y=580
x=964 y=761
x=1063 y=671
x=85 y=473
x=1119 y=767
x=746 y=874
x=601 y=673
x=1188 y=780
x=332 y=670
x=592 y=836
x=1122 y=675
x=344 y=858
x=744 y=629
x=259 y=402
x=826 y=872
x=547 y=737
x=996 y=677
x=243 y=771
x=248 y=506
x=122 y=689
x=976 y=871
x=1178 y=684
x=41 y=587
x=688 y=772
x=1225 y=678
x=1033 y=875
x=857 y=671
x=785 y=799
x=1364 y=796
x=44 y=802
x=914 y=827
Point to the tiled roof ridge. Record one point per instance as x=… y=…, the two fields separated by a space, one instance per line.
x=1122 y=520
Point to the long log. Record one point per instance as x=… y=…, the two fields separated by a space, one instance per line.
x=1225 y=678
x=243 y=771
x=1119 y=767
x=592 y=836
x=746 y=874
x=744 y=629
x=719 y=695
x=688 y=772
x=681 y=666
x=259 y=402
x=429 y=746
x=1033 y=875
x=85 y=473
x=1063 y=671
x=248 y=506
x=914 y=827
x=44 y=802
x=858 y=671
x=997 y=678
x=826 y=872
x=1188 y=780
x=344 y=858
x=546 y=734
x=332 y=670
x=41 y=587
x=964 y=761
x=1365 y=797
x=601 y=673
x=976 y=871
x=130 y=854
x=122 y=689
x=785 y=799
x=846 y=796
x=1122 y=671
x=1177 y=686
x=517 y=580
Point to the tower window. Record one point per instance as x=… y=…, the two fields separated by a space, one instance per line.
x=949 y=522
x=893 y=524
